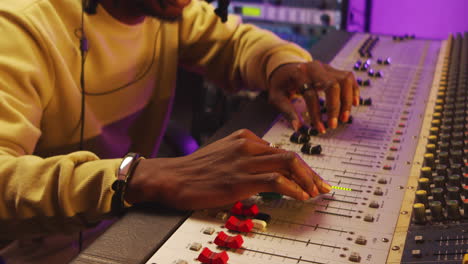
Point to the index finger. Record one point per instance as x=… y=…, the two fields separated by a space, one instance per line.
x=333 y=97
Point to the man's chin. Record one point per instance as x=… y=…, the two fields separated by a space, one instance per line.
x=168 y=16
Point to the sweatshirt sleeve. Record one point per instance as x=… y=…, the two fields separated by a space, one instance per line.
x=232 y=54
x=40 y=195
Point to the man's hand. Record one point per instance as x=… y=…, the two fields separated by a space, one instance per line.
x=340 y=88
x=231 y=169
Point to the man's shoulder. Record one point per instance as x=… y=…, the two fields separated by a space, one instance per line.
x=18 y=6
x=21 y=8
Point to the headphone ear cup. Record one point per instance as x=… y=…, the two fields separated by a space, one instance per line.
x=90 y=6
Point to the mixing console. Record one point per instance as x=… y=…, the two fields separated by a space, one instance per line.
x=398 y=172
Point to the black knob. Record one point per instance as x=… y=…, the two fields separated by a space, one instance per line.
x=453 y=193
x=445 y=129
x=439 y=181
x=419 y=213
x=444 y=137
x=421 y=197
x=436 y=210
x=388 y=61
x=424 y=184
x=444 y=157
x=456 y=168
x=457 y=135
x=453 y=210
x=309 y=149
x=438 y=195
x=441 y=170
x=308 y=130
x=444 y=146
x=456 y=156
x=426 y=172
x=454 y=180
x=299 y=138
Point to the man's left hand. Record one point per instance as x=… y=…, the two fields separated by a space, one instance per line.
x=340 y=88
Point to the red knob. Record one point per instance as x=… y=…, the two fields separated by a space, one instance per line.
x=209 y=257
x=224 y=240
x=245 y=210
x=235 y=224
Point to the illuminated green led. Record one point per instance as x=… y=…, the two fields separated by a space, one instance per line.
x=341 y=188
x=251 y=11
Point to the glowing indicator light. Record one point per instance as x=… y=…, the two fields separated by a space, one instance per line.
x=341 y=188
x=251 y=11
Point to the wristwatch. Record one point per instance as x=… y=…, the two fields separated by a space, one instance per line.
x=119 y=186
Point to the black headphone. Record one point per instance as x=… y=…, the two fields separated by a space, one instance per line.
x=90 y=6
x=221 y=11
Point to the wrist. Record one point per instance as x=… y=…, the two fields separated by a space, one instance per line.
x=124 y=174
x=135 y=187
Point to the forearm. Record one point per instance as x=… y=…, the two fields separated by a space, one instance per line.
x=57 y=194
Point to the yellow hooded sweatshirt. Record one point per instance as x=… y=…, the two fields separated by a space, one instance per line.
x=46 y=185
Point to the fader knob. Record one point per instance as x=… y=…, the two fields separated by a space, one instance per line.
x=426 y=172
x=209 y=257
x=356 y=66
x=424 y=184
x=439 y=181
x=310 y=149
x=429 y=160
x=438 y=195
x=457 y=156
x=457 y=136
x=435 y=123
x=453 y=210
x=444 y=146
x=419 y=211
x=444 y=157
x=459 y=127
x=454 y=180
x=431 y=148
x=421 y=197
x=308 y=130
x=457 y=144
x=223 y=240
x=299 y=138
x=444 y=137
x=432 y=139
x=354 y=257
x=446 y=129
x=441 y=170
x=436 y=210
x=456 y=168
x=234 y=224
x=434 y=131
x=453 y=193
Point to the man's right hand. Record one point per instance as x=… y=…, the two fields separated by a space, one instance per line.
x=228 y=170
